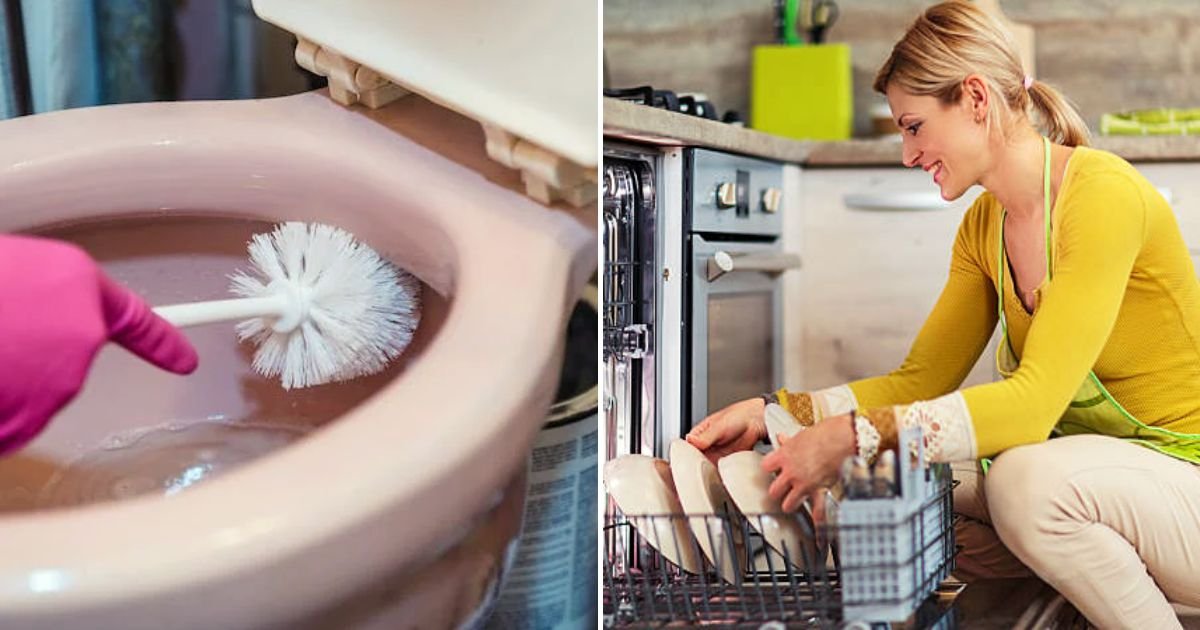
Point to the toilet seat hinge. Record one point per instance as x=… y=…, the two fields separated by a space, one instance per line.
x=349 y=81
x=548 y=176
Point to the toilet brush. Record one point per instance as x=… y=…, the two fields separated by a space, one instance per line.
x=320 y=306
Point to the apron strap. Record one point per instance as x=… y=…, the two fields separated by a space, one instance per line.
x=1000 y=276
x=1046 y=206
x=1046 y=220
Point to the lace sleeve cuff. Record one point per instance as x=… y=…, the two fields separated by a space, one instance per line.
x=946 y=424
x=945 y=421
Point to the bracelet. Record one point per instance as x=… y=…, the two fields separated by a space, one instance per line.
x=866 y=437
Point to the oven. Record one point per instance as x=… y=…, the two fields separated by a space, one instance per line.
x=734 y=298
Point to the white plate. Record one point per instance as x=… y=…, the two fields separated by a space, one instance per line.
x=643 y=489
x=713 y=517
x=780 y=421
x=747 y=483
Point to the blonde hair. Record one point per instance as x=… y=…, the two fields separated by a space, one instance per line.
x=951 y=40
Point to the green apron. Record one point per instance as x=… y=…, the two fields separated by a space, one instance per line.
x=1093 y=409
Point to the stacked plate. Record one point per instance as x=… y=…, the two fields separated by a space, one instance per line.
x=689 y=507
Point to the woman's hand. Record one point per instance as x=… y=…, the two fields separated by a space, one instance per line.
x=735 y=428
x=809 y=461
x=57 y=308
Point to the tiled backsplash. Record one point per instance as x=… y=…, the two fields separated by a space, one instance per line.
x=1106 y=55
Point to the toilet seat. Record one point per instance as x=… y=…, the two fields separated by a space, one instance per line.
x=468 y=232
x=538 y=110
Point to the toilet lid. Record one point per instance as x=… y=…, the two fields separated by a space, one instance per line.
x=527 y=66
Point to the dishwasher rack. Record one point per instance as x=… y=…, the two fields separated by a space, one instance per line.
x=880 y=562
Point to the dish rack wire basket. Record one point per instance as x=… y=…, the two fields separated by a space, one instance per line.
x=880 y=562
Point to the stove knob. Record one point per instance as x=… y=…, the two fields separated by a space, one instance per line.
x=726 y=195
x=772 y=199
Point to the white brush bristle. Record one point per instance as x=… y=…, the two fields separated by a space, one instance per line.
x=362 y=310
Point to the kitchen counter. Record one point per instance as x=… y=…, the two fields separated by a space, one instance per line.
x=656 y=126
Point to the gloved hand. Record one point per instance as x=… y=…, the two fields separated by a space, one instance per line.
x=57 y=308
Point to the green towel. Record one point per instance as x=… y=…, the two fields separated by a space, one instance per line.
x=1151 y=122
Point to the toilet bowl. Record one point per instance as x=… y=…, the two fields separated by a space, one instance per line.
x=374 y=495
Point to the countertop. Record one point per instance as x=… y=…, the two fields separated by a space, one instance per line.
x=639 y=123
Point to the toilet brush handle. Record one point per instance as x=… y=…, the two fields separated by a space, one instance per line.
x=197 y=313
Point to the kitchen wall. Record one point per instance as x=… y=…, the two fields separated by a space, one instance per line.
x=1106 y=55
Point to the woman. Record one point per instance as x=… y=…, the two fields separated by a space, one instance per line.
x=1081 y=262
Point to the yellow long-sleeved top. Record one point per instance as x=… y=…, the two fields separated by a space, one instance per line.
x=1124 y=301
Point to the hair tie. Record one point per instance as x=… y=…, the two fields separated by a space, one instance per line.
x=1028 y=82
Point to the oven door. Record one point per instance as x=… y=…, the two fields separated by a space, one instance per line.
x=737 y=333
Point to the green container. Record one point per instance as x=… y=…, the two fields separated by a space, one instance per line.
x=803 y=92
x=1152 y=122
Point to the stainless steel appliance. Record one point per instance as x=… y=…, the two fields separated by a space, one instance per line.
x=734 y=294
x=692 y=293
x=629 y=298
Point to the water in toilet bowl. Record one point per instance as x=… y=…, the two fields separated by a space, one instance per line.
x=162 y=461
x=171 y=259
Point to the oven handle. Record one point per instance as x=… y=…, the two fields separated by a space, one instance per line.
x=723 y=262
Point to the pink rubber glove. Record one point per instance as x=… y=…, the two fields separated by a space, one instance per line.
x=57 y=308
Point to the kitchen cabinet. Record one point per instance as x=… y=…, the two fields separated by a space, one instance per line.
x=1179 y=182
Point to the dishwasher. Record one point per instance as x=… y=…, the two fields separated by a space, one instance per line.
x=692 y=263
x=873 y=563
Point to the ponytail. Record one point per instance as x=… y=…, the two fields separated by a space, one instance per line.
x=1058 y=117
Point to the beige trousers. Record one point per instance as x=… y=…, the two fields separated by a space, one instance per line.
x=1112 y=526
